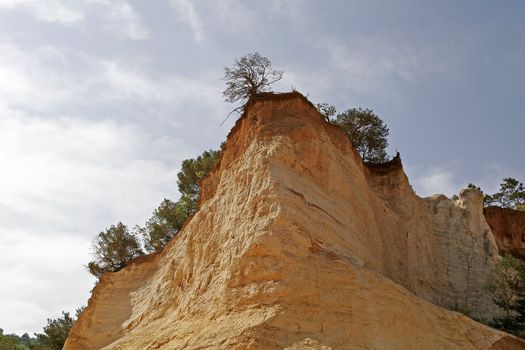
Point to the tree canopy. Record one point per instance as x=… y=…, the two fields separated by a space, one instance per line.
x=249 y=75
x=113 y=249
x=367 y=132
x=511 y=195
x=506 y=286
x=116 y=246
x=53 y=338
x=56 y=331
x=10 y=342
x=192 y=172
x=165 y=222
x=326 y=110
x=169 y=217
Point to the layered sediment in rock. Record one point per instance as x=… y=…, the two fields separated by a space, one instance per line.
x=508 y=227
x=299 y=245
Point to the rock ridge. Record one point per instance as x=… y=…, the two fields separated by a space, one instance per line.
x=298 y=244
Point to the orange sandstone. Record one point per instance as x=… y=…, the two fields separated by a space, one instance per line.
x=299 y=245
x=508 y=226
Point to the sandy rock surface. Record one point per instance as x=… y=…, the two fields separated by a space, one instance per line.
x=299 y=245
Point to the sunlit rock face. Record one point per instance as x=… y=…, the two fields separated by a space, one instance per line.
x=299 y=245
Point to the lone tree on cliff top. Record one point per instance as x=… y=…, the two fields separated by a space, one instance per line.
x=250 y=74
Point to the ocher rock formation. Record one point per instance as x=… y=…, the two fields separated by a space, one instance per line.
x=299 y=245
x=508 y=227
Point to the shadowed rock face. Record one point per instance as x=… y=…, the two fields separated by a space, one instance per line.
x=299 y=245
x=508 y=227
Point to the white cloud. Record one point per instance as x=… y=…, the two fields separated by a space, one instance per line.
x=117 y=15
x=28 y=78
x=245 y=18
x=368 y=66
x=452 y=177
x=90 y=124
x=361 y=68
x=123 y=18
x=63 y=181
x=188 y=15
x=45 y=274
x=237 y=17
x=43 y=79
x=290 y=8
x=436 y=181
x=53 y=11
x=131 y=83
x=70 y=174
x=311 y=81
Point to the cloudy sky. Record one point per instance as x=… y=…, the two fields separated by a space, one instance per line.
x=100 y=100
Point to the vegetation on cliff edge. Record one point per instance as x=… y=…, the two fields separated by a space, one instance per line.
x=367 y=132
x=117 y=245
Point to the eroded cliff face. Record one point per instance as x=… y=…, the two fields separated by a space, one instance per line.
x=299 y=245
x=508 y=227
